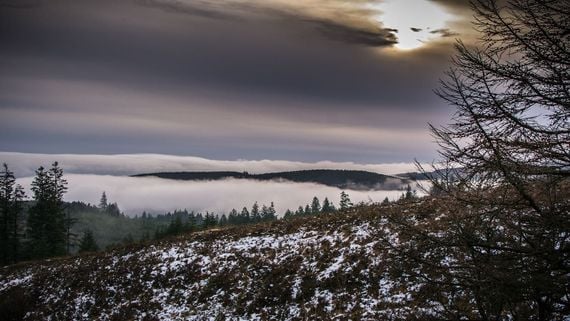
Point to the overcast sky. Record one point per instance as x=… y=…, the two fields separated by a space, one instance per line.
x=298 y=80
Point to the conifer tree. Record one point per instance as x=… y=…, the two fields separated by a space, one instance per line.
x=307 y=210
x=244 y=216
x=328 y=207
x=288 y=214
x=88 y=243
x=345 y=201
x=264 y=213
x=103 y=202
x=223 y=220
x=11 y=196
x=268 y=213
x=233 y=217
x=46 y=220
x=315 y=206
x=255 y=213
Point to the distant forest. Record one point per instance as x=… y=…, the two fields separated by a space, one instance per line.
x=46 y=226
x=343 y=179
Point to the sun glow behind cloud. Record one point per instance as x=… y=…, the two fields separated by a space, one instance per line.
x=417 y=21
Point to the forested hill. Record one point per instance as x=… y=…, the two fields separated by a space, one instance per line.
x=345 y=179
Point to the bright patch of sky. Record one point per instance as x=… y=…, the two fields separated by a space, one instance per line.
x=417 y=21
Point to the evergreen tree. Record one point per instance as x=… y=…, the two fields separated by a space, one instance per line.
x=175 y=227
x=210 y=220
x=272 y=212
x=233 y=217
x=264 y=212
x=88 y=243
x=255 y=213
x=300 y=211
x=315 y=206
x=191 y=222
x=307 y=210
x=46 y=220
x=103 y=202
x=328 y=207
x=244 y=217
x=268 y=213
x=386 y=201
x=113 y=210
x=223 y=220
x=288 y=214
x=11 y=196
x=345 y=201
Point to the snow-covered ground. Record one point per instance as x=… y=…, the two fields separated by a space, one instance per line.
x=330 y=268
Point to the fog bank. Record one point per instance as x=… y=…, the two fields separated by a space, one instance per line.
x=24 y=164
x=156 y=195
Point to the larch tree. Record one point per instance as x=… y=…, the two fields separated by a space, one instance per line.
x=502 y=251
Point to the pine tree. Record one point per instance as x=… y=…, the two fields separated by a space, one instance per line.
x=175 y=227
x=210 y=220
x=244 y=216
x=300 y=211
x=345 y=201
x=315 y=206
x=386 y=201
x=233 y=217
x=307 y=210
x=88 y=243
x=328 y=207
x=11 y=196
x=288 y=214
x=223 y=220
x=272 y=212
x=103 y=202
x=46 y=220
x=268 y=213
x=113 y=210
x=264 y=212
x=255 y=214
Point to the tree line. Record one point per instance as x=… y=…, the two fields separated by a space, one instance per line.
x=46 y=232
x=43 y=226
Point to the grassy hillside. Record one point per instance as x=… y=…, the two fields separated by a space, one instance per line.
x=344 y=179
x=346 y=266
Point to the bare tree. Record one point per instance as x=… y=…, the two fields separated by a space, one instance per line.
x=501 y=242
x=512 y=95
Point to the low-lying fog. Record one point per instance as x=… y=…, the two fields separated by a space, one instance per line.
x=24 y=164
x=156 y=195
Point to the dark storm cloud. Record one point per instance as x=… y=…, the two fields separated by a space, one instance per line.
x=218 y=54
x=378 y=38
x=195 y=8
x=371 y=36
x=444 y=32
x=160 y=71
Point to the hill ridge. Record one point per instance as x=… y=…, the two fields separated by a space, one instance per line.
x=343 y=179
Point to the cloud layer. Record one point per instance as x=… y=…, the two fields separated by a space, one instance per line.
x=25 y=164
x=135 y=195
x=283 y=79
